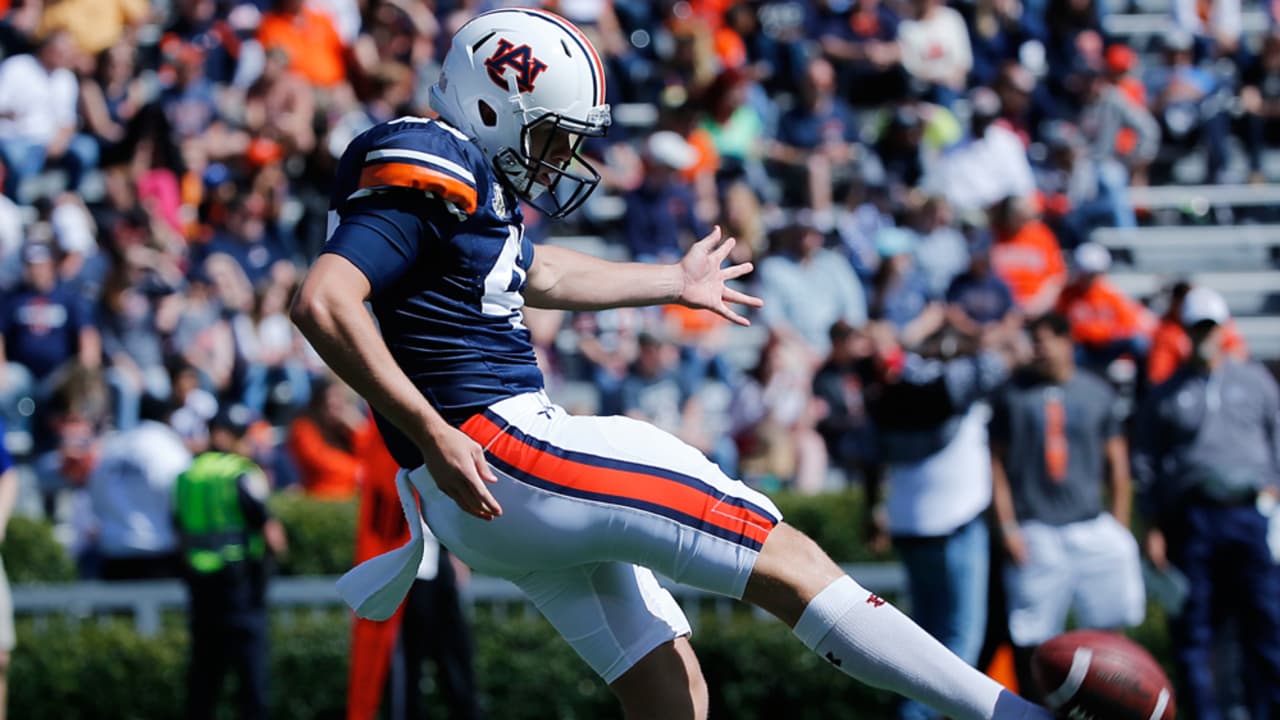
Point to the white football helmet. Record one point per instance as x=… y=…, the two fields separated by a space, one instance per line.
x=527 y=87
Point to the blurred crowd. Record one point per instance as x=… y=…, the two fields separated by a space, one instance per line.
x=913 y=179
x=165 y=168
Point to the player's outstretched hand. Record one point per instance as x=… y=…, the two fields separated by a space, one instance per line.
x=459 y=469
x=704 y=280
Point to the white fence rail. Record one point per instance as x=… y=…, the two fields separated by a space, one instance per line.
x=148 y=601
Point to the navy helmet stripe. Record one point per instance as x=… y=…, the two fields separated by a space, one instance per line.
x=586 y=53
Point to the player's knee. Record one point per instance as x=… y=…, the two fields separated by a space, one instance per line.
x=790 y=571
x=666 y=685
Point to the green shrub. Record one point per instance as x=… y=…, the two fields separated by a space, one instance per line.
x=322 y=534
x=32 y=555
x=69 y=671
x=836 y=521
x=755 y=669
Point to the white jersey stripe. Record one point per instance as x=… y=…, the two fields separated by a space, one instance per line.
x=443 y=163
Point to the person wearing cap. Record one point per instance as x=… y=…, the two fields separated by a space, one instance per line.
x=1170 y=345
x=226 y=531
x=660 y=219
x=1105 y=323
x=1207 y=468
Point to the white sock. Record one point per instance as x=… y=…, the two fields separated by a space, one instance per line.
x=870 y=640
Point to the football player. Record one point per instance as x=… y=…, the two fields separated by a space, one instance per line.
x=577 y=511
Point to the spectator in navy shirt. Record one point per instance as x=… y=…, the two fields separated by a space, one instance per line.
x=247 y=238
x=978 y=301
x=660 y=218
x=862 y=42
x=45 y=325
x=815 y=142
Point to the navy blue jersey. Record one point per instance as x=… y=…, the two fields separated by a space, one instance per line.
x=419 y=210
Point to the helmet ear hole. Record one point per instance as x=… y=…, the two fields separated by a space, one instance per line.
x=487 y=114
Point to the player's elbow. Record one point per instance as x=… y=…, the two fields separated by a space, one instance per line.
x=311 y=310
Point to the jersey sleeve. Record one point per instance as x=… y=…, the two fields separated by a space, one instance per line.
x=383 y=234
x=421 y=156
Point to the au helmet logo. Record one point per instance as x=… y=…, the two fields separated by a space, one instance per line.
x=520 y=59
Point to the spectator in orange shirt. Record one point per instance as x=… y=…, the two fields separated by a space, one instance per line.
x=325 y=440
x=1105 y=323
x=1026 y=256
x=1170 y=346
x=308 y=37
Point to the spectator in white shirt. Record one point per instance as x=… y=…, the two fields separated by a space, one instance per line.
x=131 y=497
x=989 y=166
x=1216 y=24
x=935 y=50
x=807 y=288
x=38 y=96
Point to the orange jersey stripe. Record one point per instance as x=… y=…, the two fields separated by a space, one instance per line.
x=617 y=482
x=420 y=178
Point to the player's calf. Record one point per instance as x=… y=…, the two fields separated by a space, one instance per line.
x=667 y=684
x=868 y=639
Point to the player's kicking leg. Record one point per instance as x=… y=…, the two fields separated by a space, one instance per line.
x=590 y=503
x=865 y=637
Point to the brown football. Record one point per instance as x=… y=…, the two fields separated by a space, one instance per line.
x=1096 y=675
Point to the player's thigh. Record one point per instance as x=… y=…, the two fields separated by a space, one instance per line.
x=579 y=490
x=612 y=614
x=1109 y=590
x=1038 y=591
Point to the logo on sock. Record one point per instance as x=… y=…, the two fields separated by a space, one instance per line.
x=874 y=599
x=833 y=659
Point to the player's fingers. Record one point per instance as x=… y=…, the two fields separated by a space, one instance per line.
x=733 y=317
x=736 y=271
x=464 y=501
x=741 y=298
x=488 y=503
x=712 y=237
x=482 y=466
x=722 y=252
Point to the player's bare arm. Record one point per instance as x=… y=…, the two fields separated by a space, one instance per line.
x=563 y=279
x=330 y=312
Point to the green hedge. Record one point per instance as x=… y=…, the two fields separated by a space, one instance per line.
x=102 y=669
x=322 y=535
x=69 y=671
